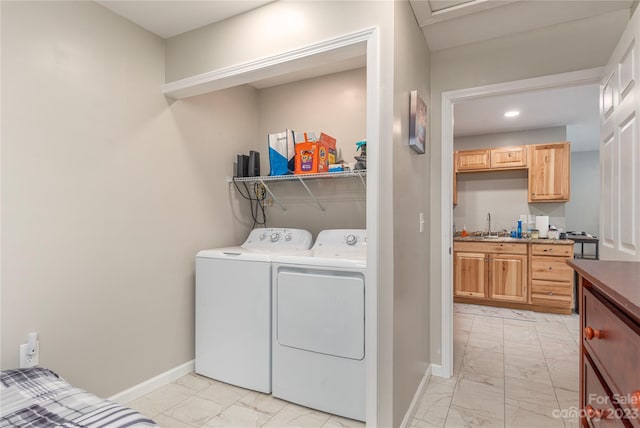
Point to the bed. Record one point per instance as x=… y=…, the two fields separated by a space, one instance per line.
x=37 y=397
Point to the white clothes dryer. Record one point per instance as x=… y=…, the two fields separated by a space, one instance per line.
x=319 y=324
x=233 y=307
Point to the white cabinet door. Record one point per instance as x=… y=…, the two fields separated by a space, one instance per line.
x=619 y=149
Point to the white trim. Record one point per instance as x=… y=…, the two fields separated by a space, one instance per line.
x=373 y=189
x=417 y=397
x=143 y=388
x=436 y=370
x=573 y=78
x=263 y=68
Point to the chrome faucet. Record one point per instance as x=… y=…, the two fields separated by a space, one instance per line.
x=489 y=222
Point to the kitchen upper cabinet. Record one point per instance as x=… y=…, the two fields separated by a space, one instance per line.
x=472 y=160
x=509 y=157
x=470 y=275
x=508 y=277
x=549 y=172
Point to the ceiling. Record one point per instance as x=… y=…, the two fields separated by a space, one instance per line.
x=168 y=18
x=451 y=23
x=574 y=107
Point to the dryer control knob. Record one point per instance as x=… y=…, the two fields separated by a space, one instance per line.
x=275 y=237
x=351 y=239
x=288 y=237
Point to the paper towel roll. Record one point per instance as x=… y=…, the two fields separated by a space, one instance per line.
x=542 y=224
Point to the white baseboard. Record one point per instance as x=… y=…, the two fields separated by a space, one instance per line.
x=143 y=388
x=437 y=370
x=413 y=407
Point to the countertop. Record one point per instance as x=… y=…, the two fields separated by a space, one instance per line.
x=619 y=281
x=515 y=240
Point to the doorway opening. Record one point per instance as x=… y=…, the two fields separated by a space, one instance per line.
x=449 y=99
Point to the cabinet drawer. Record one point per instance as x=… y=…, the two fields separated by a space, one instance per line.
x=613 y=341
x=552 y=250
x=509 y=157
x=551 y=293
x=596 y=402
x=469 y=160
x=490 y=247
x=551 y=269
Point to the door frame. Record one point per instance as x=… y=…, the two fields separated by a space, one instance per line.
x=449 y=98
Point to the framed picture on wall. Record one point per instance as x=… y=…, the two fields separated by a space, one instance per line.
x=417 y=123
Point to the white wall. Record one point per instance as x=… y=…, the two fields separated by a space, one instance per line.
x=504 y=194
x=410 y=198
x=108 y=191
x=334 y=104
x=560 y=48
x=583 y=210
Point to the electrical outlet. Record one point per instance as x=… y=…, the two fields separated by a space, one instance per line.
x=29 y=360
x=269 y=202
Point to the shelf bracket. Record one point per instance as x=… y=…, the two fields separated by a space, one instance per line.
x=364 y=183
x=311 y=194
x=272 y=195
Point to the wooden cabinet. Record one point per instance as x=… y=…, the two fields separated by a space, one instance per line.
x=551 y=277
x=609 y=342
x=470 y=275
x=473 y=160
x=490 y=272
x=509 y=157
x=549 y=172
x=508 y=277
x=549 y=166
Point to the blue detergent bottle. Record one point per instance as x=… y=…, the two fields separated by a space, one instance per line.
x=519 y=230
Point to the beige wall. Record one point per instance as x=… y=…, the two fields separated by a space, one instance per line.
x=108 y=191
x=556 y=49
x=504 y=194
x=410 y=198
x=334 y=104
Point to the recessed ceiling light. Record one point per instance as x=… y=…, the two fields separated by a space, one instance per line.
x=512 y=113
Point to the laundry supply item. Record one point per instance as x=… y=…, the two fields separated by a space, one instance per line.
x=281 y=153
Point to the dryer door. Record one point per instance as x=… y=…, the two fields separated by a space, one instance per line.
x=321 y=311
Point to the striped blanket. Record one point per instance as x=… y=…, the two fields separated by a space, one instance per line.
x=37 y=397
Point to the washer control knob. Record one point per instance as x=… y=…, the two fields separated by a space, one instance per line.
x=351 y=239
x=275 y=237
x=262 y=236
x=288 y=237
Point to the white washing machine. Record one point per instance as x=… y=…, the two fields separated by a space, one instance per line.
x=233 y=307
x=319 y=324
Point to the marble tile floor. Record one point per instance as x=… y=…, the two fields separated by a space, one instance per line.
x=509 y=373
x=195 y=401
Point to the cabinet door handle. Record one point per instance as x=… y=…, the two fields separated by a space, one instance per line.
x=550 y=268
x=635 y=399
x=550 y=293
x=590 y=333
x=593 y=413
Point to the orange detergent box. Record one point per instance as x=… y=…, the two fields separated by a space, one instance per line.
x=313 y=157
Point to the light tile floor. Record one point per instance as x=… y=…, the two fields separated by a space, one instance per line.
x=195 y=401
x=512 y=369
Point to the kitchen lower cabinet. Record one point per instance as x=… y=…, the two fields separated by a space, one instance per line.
x=487 y=272
x=508 y=277
x=551 y=277
x=470 y=275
